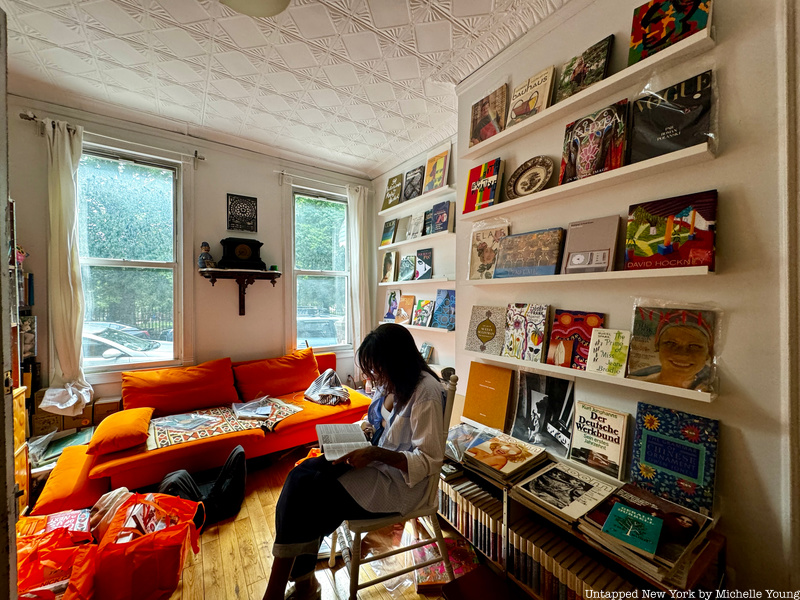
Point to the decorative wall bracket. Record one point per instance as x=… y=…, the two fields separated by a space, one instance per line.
x=243 y=279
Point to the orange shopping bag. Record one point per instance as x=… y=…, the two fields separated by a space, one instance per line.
x=132 y=565
x=45 y=563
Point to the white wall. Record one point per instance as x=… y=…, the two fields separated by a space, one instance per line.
x=215 y=324
x=753 y=469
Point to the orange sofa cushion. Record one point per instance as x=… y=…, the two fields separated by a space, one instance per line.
x=121 y=430
x=69 y=486
x=276 y=376
x=175 y=391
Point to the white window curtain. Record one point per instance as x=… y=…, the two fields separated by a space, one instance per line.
x=360 y=270
x=69 y=391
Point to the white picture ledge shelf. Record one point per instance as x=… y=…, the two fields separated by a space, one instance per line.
x=420 y=327
x=661 y=164
x=408 y=206
x=695 y=44
x=410 y=281
x=423 y=239
x=640 y=274
x=578 y=374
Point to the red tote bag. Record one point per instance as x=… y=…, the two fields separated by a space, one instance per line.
x=149 y=566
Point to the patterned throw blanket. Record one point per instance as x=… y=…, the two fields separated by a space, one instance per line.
x=210 y=422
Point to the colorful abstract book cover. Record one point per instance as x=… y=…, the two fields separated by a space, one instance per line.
x=608 y=352
x=405 y=310
x=487 y=327
x=483 y=186
x=531 y=97
x=675 y=456
x=390 y=309
x=423 y=313
x=594 y=144
x=658 y=24
x=430 y=579
x=444 y=310
x=389 y=229
x=488 y=116
x=424 y=268
x=485 y=244
x=528 y=254
x=673 y=346
x=674 y=232
x=599 y=437
x=636 y=529
x=436 y=168
x=393 y=189
x=671 y=119
x=570 y=337
x=413 y=185
x=525 y=331
x=408 y=266
x=584 y=69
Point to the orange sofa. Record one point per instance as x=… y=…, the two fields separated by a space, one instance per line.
x=216 y=383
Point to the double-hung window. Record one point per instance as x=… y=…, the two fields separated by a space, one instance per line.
x=130 y=268
x=321 y=270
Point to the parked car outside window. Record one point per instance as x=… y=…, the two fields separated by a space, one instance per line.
x=113 y=347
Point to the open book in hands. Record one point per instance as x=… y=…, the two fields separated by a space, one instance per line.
x=338 y=440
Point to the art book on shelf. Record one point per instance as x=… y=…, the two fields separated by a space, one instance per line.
x=591 y=245
x=683 y=529
x=390 y=308
x=570 y=336
x=585 y=69
x=408 y=266
x=657 y=24
x=463 y=436
x=488 y=116
x=444 y=310
x=599 y=439
x=487 y=327
x=436 y=168
x=673 y=346
x=483 y=253
x=595 y=143
x=608 y=352
x=484 y=185
x=427 y=228
x=488 y=391
x=673 y=232
x=531 y=97
x=671 y=119
x=526 y=325
x=565 y=491
x=413 y=184
x=389 y=271
x=405 y=310
x=528 y=254
x=423 y=313
x=389 y=229
x=504 y=458
x=393 y=189
x=424 y=266
x=634 y=529
x=443 y=217
x=416 y=226
x=675 y=456
x=543 y=412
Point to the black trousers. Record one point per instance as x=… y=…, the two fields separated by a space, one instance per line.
x=312 y=505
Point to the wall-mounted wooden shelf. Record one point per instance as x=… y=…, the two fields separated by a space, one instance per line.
x=606 y=275
x=243 y=279
x=565 y=372
x=407 y=206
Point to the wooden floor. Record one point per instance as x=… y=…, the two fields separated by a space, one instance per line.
x=235 y=555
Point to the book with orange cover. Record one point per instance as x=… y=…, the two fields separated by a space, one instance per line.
x=488 y=391
x=405 y=310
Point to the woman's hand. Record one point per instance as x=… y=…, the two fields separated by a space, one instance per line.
x=358 y=459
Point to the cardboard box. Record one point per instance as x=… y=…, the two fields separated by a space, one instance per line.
x=38 y=397
x=82 y=420
x=45 y=422
x=106 y=406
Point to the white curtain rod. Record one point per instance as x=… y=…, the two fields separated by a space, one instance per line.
x=283 y=173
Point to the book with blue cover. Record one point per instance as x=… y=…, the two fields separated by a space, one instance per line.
x=443 y=216
x=531 y=253
x=635 y=529
x=675 y=456
x=444 y=310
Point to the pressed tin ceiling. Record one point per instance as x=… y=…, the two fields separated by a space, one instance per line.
x=354 y=85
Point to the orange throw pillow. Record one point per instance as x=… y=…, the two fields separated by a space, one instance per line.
x=276 y=376
x=121 y=430
x=69 y=486
x=179 y=390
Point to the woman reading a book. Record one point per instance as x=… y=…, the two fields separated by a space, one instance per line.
x=387 y=477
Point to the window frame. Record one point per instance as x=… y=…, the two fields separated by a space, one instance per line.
x=112 y=373
x=292 y=341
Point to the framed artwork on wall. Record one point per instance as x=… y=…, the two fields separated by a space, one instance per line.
x=242 y=213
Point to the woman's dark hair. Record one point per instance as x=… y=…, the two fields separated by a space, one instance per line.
x=389 y=356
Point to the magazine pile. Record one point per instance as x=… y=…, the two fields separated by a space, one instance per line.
x=503 y=458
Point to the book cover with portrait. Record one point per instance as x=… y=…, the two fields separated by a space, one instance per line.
x=595 y=143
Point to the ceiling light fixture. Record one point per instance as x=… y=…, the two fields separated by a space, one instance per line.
x=257 y=8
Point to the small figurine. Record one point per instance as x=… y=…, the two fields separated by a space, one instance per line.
x=205 y=257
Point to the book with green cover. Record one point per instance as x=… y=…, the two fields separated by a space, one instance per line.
x=635 y=529
x=56 y=447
